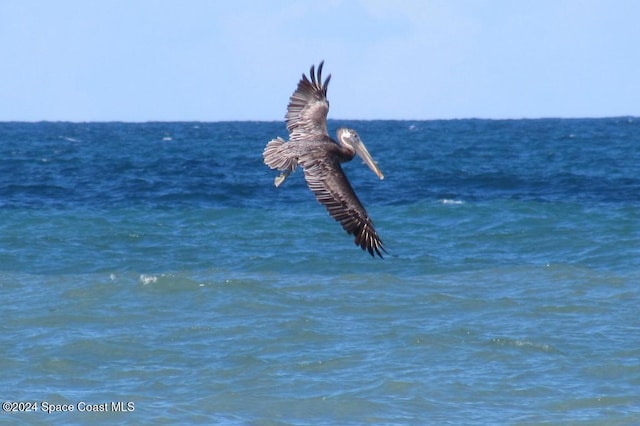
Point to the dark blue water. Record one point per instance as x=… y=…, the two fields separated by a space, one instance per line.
x=156 y=263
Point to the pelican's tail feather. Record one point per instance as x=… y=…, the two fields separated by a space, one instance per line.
x=277 y=155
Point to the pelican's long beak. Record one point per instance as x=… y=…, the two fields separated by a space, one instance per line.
x=361 y=150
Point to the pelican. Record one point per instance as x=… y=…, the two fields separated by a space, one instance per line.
x=311 y=147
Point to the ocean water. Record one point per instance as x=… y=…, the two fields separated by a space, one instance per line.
x=151 y=273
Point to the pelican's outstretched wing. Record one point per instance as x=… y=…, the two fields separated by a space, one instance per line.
x=308 y=106
x=327 y=180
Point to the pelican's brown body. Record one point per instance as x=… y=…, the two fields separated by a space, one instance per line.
x=311 y=147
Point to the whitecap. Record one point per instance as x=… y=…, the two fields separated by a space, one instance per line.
x=148 y=279
x=69 y=139
x=450 y=201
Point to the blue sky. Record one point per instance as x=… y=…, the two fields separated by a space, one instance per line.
x=140 y=60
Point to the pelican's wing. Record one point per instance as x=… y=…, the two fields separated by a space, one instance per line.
x=327 y=180
x=308 y=106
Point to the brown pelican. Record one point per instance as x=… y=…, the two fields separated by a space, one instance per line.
x=311 y=147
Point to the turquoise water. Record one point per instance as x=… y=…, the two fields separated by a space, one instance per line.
x=155 y=264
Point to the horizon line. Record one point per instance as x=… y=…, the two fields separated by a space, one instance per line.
x=328 y=120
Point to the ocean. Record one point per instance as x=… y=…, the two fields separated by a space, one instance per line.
x=151 y=273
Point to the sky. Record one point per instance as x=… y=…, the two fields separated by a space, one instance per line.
x=201 y=60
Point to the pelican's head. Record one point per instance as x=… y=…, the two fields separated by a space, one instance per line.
x=349 y=138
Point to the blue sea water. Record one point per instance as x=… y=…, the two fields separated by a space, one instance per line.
x=153 y=271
